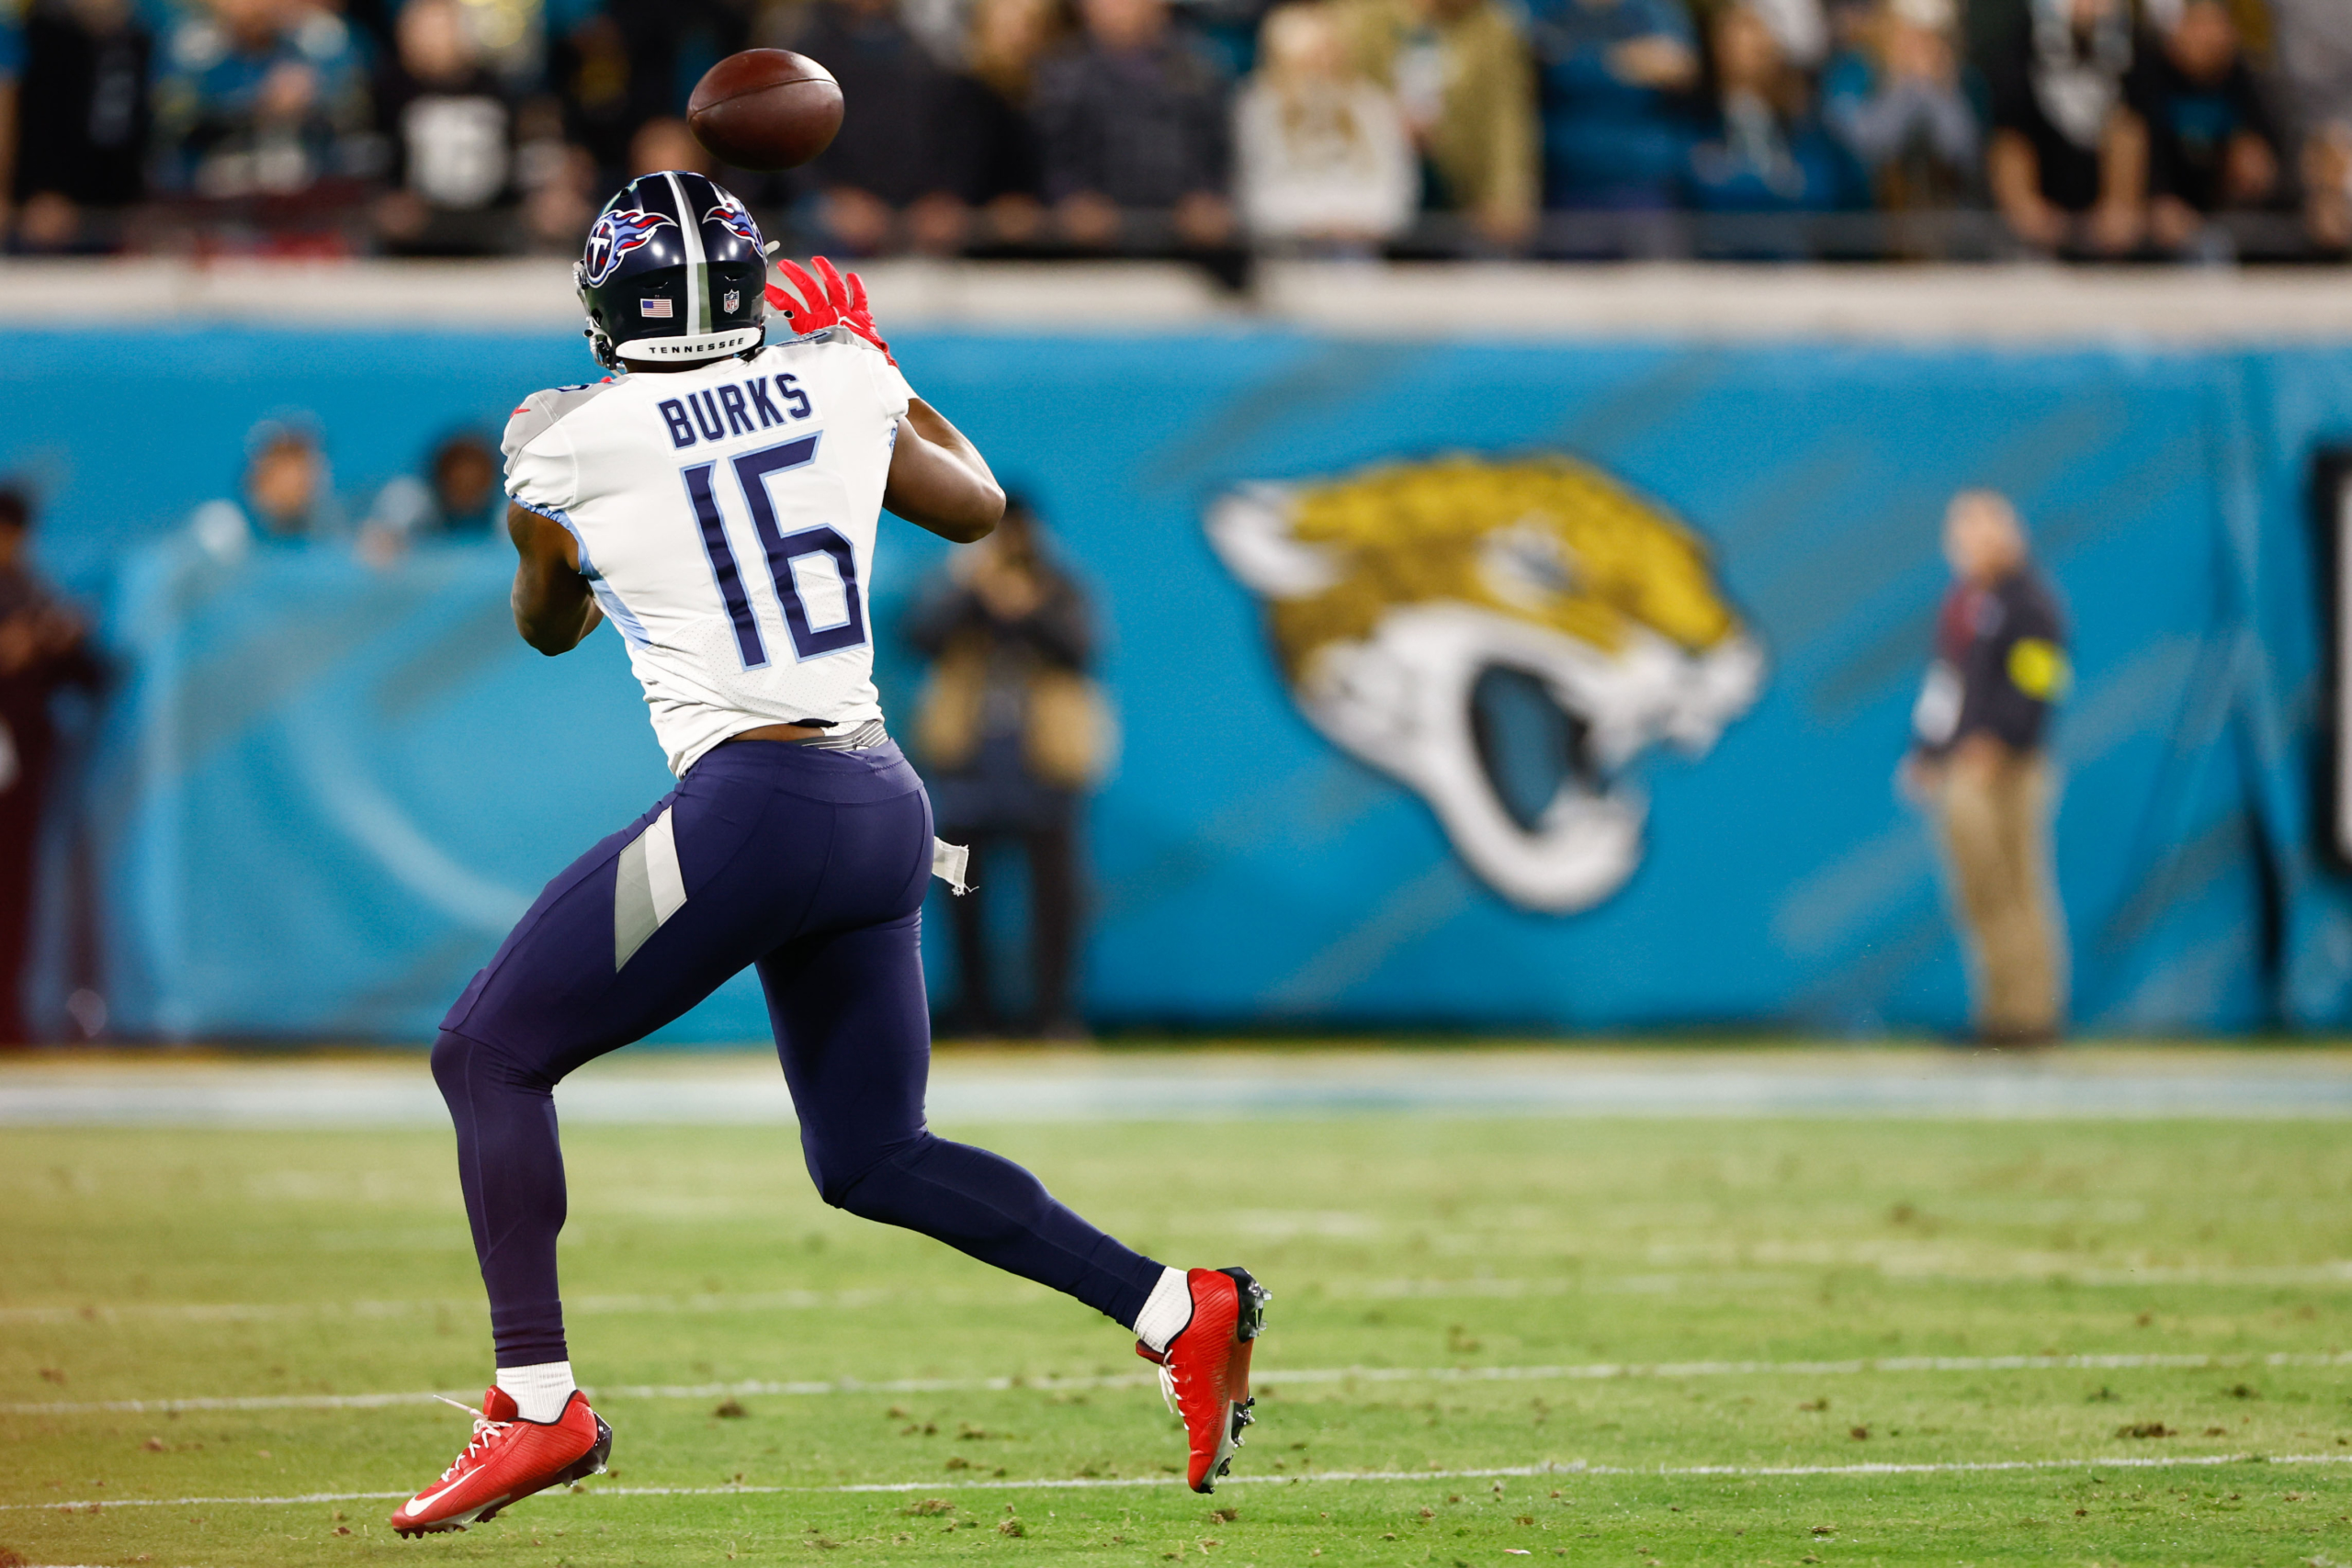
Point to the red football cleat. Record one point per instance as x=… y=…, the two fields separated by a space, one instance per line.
x=1205 y=1373
x=508 y=1459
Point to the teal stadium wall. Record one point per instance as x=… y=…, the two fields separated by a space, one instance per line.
x=319 y=792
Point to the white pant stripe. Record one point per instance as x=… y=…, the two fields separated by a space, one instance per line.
x=648 y=888
x=662 y=877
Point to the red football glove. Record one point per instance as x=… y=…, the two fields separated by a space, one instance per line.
x=836 y=301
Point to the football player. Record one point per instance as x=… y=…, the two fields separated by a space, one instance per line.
x=716 y=501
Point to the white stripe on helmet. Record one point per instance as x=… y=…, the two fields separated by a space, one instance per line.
x=697 y=260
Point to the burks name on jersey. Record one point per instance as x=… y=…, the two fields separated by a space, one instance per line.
x=725 y=517
x=713 y=413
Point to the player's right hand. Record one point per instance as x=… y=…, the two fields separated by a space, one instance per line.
x=813 y=305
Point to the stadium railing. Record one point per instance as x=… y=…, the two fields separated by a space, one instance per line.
x=2026 y=302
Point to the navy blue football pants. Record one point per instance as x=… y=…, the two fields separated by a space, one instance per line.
x=812 y=865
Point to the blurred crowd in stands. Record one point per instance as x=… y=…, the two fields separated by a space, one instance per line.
x=2198 y=129
x=286 y=495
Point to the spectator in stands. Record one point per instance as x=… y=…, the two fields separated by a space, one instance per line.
x=1133 y=119
x=1229 y=30
x=467 y=472
x=1899 y=105
x=1981 y=722
x=286 y=484
x=83 y=123
x=1012 y=732
x=2211 y=143
x=456 y=500
x=628 y=61
x=2327 y=180
x=1765 y=152
x=450 y=126
x=2068 y=162
x=43 y=644
x=12 y=65
x=557 y=179
x=1003 y=180
x=289 y=495
x=589 y=67
x=1463 y=75
x=1801 y=28
x=509 y=36
x=1612 y=75
x=259 y=98
x=942 y=27
x=894 y=162
x=1322 y=155
x=2315 y=54
x=666 y=141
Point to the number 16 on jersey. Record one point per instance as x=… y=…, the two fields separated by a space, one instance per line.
x=818 y=623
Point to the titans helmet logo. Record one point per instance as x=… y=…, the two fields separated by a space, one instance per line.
x=1504 y=639
x=733 y=215
x=618 y=230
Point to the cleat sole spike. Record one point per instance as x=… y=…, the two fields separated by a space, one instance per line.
x=593 y=1462
x=1253 y=1299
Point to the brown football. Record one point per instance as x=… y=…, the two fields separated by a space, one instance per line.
x=765 y=108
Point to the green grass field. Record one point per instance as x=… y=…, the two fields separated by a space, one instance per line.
x=1450 y=1294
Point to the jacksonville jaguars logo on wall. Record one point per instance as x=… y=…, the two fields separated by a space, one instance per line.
x=618 y=230
x=734 y=214
x=1503 y=639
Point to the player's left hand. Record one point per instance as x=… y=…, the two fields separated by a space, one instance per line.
x=826 y=300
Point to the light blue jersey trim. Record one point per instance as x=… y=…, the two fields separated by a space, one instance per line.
x=632 y=629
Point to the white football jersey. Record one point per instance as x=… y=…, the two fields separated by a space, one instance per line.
x=726 y=518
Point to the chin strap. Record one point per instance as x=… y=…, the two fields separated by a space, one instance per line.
x=599 y=343
x=601 y=347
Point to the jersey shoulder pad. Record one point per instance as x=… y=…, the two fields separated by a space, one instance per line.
x=834 y=336
x=540 y=410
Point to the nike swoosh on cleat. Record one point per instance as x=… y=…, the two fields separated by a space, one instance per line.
x=416 y=1506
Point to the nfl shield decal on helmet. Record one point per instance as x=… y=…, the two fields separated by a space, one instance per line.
x=731 y=212
x=618 y=230
x=729 y=301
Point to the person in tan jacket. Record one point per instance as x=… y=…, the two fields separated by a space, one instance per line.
x=1978 y=764
x=1013 y=732
x=1463 y=74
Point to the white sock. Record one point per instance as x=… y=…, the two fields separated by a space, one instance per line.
x=1167 y=1312
x=539 y=1393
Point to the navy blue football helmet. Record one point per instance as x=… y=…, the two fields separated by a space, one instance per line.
x=675 y=269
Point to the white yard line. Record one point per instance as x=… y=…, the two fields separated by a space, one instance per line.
x=1276 y=1378
x=1089 y=1483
